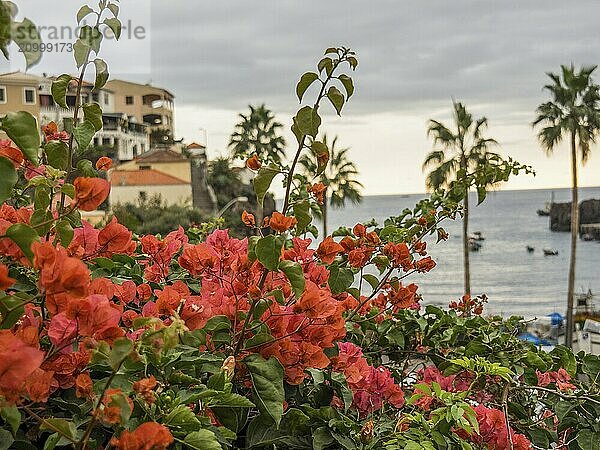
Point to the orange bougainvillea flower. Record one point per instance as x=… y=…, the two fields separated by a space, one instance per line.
x=104 y=163
x=328 y=250
x=5 y=280
x=38 y=385
x=90 y=192
x=144 y=388
x=318 y=190
x=148 y=436
x=50 y=128
x=84 y=387
x=248 y=219
x=17 y=362
x=281 y=223
x=11 y=153
x=115 y=410
x=253 y=162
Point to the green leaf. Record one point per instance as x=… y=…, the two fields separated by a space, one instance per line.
x=305 y=81
x=322 y=438
x=293 y=272
x=301 y=212
x=57 y=154
x=481 y=194
x=371 y=279
x=336 y=98
x=325 y=64
x=202 y=440
x=80 y=52
x=86 y=168
x=65 y=232
x=59 y=89
x=41 y=220
x=6 y=439
x=25 y=34
x=67 y=428
x=12 y=309
x=115 y=25
x=321 y=152
x=83 y=11
x=22 y=128
x=268 y=251
x=262 y=181
x=308 y=121
x=348 y=84
x=182 y=417
x=114 y=9
x=230 y=400
x=11 y=416
x=588 y=439
x=91 y=37
x=340 y=279
x=267 y=385
x=119 y=352
x=23 y=235
x=8 y=178
x=93 y=113
x=101 y=73
x=83 y=133
x=52 y=441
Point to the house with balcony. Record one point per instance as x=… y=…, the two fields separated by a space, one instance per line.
x=122 y=133
x=148 y=104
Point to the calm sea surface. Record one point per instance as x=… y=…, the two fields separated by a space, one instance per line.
x=516 y=282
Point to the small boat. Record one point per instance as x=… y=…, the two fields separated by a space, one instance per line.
x=550 y=252
x=587 y=237
x=474 y=246
x=530 y=249
x=546 y=211
x=543 y=212
x=477 y=236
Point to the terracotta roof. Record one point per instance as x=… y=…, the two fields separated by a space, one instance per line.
x=160 y=156
x=21 y=76
x=148 y=177
x=194 y=145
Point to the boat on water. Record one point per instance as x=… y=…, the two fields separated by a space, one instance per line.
x=547 y=332
x=477 y=236
x=546 y=210
x=474 y=245
x=550 y=252
x=530 y=249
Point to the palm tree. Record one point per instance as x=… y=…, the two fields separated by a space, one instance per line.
x=573 y=111
x=461 y=149
x=339 y=178
x=258 y=132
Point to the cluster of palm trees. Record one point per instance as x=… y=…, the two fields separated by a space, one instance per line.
x=573 y=111
x=258 y=132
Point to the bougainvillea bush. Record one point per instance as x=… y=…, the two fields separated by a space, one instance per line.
x=278 y=341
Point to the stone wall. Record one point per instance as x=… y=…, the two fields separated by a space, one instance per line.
x=560 y=214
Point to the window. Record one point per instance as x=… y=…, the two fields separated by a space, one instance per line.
x=105 y=98
x=145 y=167
x=105 y=141
x=129 y=100
x=2 y=94
x=94 y=96
x=29 y=96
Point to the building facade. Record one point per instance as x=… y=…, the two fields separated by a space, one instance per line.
x=125 y=130
x=150 y=105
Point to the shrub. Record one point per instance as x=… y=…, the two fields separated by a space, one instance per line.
x=111 y=339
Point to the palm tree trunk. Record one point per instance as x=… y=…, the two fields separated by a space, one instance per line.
x=324 y=210
x=467 y=268
x=574 y=232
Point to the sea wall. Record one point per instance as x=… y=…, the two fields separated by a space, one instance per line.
x=560 y=214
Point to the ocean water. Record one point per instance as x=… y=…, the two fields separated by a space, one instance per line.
x=515 y=281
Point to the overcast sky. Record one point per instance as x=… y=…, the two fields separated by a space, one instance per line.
x=219 y=56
